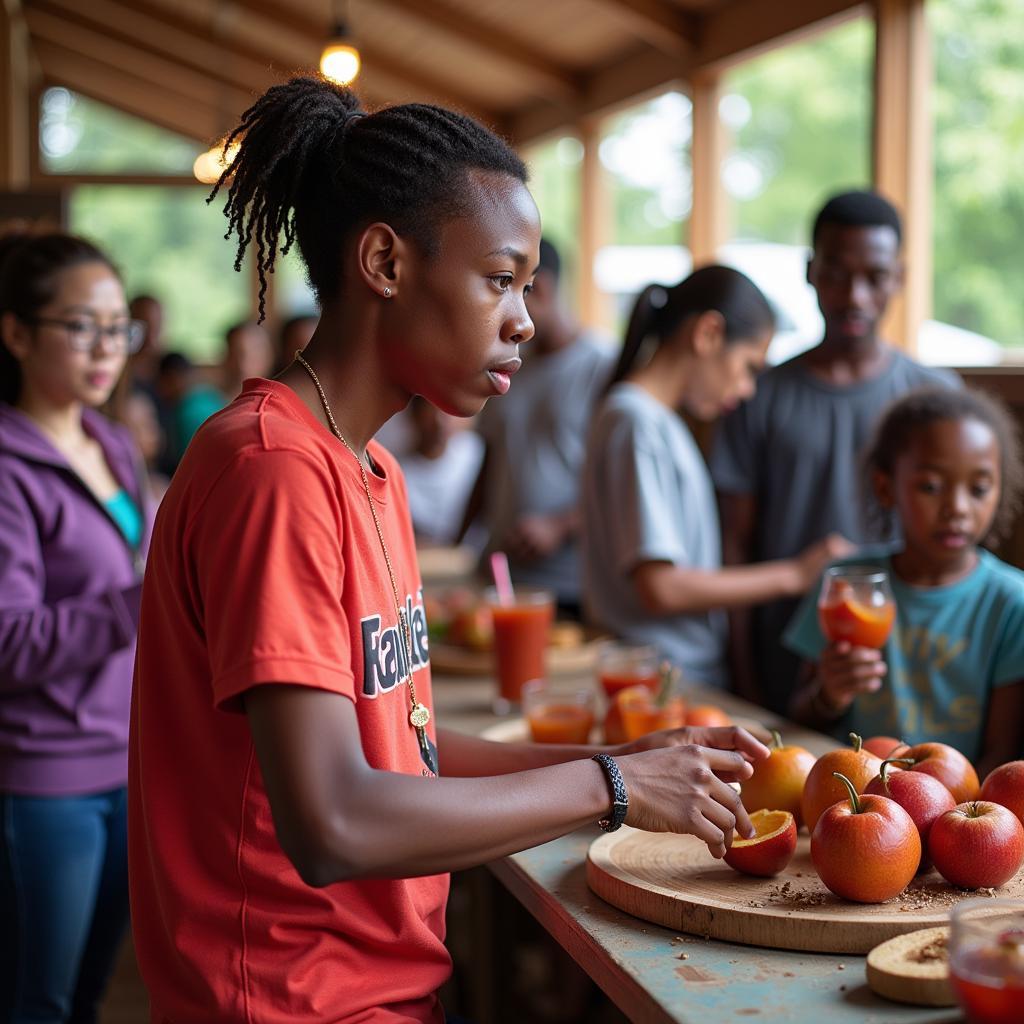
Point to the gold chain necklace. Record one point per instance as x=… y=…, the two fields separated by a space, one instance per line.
x=419 y=714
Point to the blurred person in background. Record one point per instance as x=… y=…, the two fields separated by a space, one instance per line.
x=189 y=399
x=651 y=551
x=145 y=364
x=249 y=352
x=439 y=471
x=786 y=463
x=74 y=528
x=535 y=436
x=139 y=415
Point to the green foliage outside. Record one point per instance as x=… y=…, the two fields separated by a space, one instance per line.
x=800 y=119
x=807 y=113
x=979 y=150
x=169 y=243
x=80 y=135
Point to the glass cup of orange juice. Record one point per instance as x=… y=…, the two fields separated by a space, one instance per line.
x=856 y=605
x=558 y=717
x=986 y=959
x=642 y=712
x=521 y=632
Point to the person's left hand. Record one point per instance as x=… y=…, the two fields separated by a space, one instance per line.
x=730 y=737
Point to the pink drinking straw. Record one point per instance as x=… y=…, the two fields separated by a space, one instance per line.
x=502 y=578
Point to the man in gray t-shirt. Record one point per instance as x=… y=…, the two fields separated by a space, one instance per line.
x=535 y=437
x=786 y=464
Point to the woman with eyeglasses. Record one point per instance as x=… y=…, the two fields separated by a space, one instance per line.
x=73 y=536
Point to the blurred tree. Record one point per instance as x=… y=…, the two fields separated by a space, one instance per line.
x=169 y=243
x=979 y=145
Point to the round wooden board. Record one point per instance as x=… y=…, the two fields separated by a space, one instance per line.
x=673 y=881
x=896 y=970
x=448 y=659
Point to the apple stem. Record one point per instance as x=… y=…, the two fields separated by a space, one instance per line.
x=776 y=740
x=883 y=772
x=856 y=741
x=854 y=801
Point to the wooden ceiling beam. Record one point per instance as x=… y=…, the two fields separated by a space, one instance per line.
x=118 y=88
x=657 y=22
x=546 y=73
x=747 y=28
x=140 y=26
x=311 y=34
x=641 y=73
x=162 y=72
x=738 y=32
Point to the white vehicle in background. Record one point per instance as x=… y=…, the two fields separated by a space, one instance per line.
x=780 y=271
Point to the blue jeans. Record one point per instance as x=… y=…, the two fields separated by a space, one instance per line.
x=63 y=903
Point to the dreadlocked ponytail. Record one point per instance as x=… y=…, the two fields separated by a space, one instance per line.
x=312 y=166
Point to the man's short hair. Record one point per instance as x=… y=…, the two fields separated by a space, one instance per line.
x=549 y=259
x=858 y=210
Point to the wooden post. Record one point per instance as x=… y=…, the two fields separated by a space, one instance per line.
x=902 y=153
x=595 y=215
x=709 y=215
x=14 y=111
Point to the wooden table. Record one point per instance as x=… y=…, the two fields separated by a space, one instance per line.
x=641 y=966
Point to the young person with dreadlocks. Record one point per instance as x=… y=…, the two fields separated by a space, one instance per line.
x=293 y=808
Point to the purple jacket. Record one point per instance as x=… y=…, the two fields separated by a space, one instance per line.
x=69 y=606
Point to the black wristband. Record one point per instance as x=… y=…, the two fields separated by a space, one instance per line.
x=620 y=799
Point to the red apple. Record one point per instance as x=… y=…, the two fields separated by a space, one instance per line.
x=883 y=746
x=947 y=765
x=978 y=845
x=1005 y=785
x=865 y=848
x=922 y=796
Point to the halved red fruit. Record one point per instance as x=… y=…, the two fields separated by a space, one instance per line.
x=770 y=850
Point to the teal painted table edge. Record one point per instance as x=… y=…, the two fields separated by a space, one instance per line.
x=638 y=964
x=656 y=976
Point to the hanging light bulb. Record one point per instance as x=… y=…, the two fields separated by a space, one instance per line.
x=209 y=166
x=340 y=60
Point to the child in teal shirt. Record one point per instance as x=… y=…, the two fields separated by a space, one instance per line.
x=947 y=465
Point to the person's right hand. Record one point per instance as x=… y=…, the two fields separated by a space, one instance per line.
x=686 y=789
x=845 y=671
x=813 y=560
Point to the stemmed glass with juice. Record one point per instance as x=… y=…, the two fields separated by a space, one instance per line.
x=856 y=605
x=986 y=959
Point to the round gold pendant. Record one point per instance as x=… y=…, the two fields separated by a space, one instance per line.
x=419 y=716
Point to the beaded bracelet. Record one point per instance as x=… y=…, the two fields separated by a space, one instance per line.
x=620 y=799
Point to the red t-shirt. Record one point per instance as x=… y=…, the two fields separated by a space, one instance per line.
x=265 y=567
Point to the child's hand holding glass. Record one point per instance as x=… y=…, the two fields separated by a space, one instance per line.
x=856 y=611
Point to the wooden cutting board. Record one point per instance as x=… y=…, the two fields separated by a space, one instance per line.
x=673 y=881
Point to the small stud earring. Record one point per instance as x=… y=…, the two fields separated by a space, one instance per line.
x=387 y=293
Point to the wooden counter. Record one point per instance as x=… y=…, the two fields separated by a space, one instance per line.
x=651 y=974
